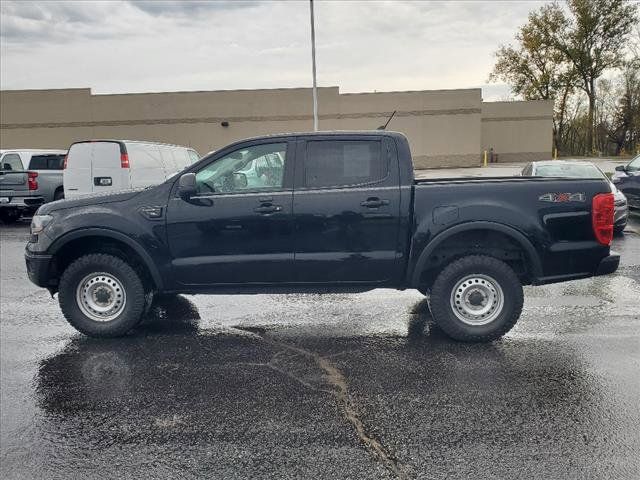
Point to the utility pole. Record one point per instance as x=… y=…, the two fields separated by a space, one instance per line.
x=313 y=63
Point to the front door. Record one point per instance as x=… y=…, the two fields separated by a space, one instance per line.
x=239 y=227
x=347 y=211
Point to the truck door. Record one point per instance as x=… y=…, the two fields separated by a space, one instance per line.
x=347 y=210
x=235 y=231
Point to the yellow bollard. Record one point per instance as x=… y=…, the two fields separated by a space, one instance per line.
x=485 y=158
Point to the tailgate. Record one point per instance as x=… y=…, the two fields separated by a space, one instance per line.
x=13 y=182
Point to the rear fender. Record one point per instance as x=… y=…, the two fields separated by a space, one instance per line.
x=423 y=260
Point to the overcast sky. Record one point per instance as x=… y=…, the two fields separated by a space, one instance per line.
x=151 y=46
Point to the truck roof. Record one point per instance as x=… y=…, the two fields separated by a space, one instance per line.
x=378 y=133
x=124 y=140
x=34 y=150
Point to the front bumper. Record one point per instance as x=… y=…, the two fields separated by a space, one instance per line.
x=38 y=268
x=608 y=264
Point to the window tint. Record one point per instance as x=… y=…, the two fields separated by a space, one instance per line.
x=46 y=162
x=344 y=162
x=11 y=161
x=250 y=168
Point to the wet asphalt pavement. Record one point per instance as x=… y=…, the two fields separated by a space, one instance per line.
x=335 y=386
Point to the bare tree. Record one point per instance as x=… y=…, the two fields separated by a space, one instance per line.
x=592 y=38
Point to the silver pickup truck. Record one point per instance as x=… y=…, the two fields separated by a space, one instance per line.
x=23 y=190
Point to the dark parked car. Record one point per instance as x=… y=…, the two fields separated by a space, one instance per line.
x=341 y=212
x=627 y=179
x=581 y=169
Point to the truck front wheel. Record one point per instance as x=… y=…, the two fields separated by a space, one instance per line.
x=101 y=295
x=476 y=299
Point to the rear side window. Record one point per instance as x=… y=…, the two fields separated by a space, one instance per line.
x=11 y=161
x=46 y=162
x=332 y=163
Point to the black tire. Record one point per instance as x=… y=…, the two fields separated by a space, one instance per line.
x=58 y=195
x=10 y=215
x=480 y=268
x=134 y=304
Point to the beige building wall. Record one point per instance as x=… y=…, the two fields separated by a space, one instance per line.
x=444 y=127
x=518 y=131
x=431 y=120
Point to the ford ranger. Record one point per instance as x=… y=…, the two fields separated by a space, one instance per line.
x=322 y=212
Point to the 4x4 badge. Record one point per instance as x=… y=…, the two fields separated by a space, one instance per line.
x=561 y=197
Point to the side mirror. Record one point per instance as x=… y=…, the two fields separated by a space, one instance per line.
x=187 y=185
x=621 y=168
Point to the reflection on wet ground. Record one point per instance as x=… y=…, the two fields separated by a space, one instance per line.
x=338 y=386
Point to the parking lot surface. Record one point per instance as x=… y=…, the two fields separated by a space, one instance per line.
x=334 y=386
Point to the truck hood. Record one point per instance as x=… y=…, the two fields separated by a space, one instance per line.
x=87 y=200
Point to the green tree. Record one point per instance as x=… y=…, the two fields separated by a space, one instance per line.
x=592 y=37
x=536 y=70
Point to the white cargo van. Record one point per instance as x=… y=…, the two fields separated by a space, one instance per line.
x=97 y=166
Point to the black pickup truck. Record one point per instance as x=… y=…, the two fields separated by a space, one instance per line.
x=322 y=212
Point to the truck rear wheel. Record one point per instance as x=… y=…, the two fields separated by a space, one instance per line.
x=58 y=195
x=101 y=295
x=476 y=299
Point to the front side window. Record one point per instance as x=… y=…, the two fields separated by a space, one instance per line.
x=11 y=162
x=245 y=169
x=634 y=165
x=332 y=163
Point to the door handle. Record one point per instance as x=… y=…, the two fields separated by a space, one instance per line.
x=374 y=202
x=266 y=209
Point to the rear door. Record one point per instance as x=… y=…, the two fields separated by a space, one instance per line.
x=347 y=210
x=109 y=167
x=96 y=167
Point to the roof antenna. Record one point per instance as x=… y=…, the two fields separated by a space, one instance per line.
x=384 y=127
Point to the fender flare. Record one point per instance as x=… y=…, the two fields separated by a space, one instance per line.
x=105 y=232
x=524 y=242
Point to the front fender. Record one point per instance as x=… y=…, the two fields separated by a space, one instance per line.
x=115 y=235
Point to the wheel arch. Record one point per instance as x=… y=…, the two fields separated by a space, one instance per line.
x=115 y=238
x=520 y=239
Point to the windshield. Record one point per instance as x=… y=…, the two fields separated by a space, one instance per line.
x=576 y=170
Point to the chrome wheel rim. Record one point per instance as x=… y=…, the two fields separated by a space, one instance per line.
x=477 y=299
x=101 y=296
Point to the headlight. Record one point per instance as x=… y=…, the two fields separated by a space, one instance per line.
x=39 y=222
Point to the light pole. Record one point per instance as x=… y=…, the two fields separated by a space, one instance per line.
x=313 y=66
